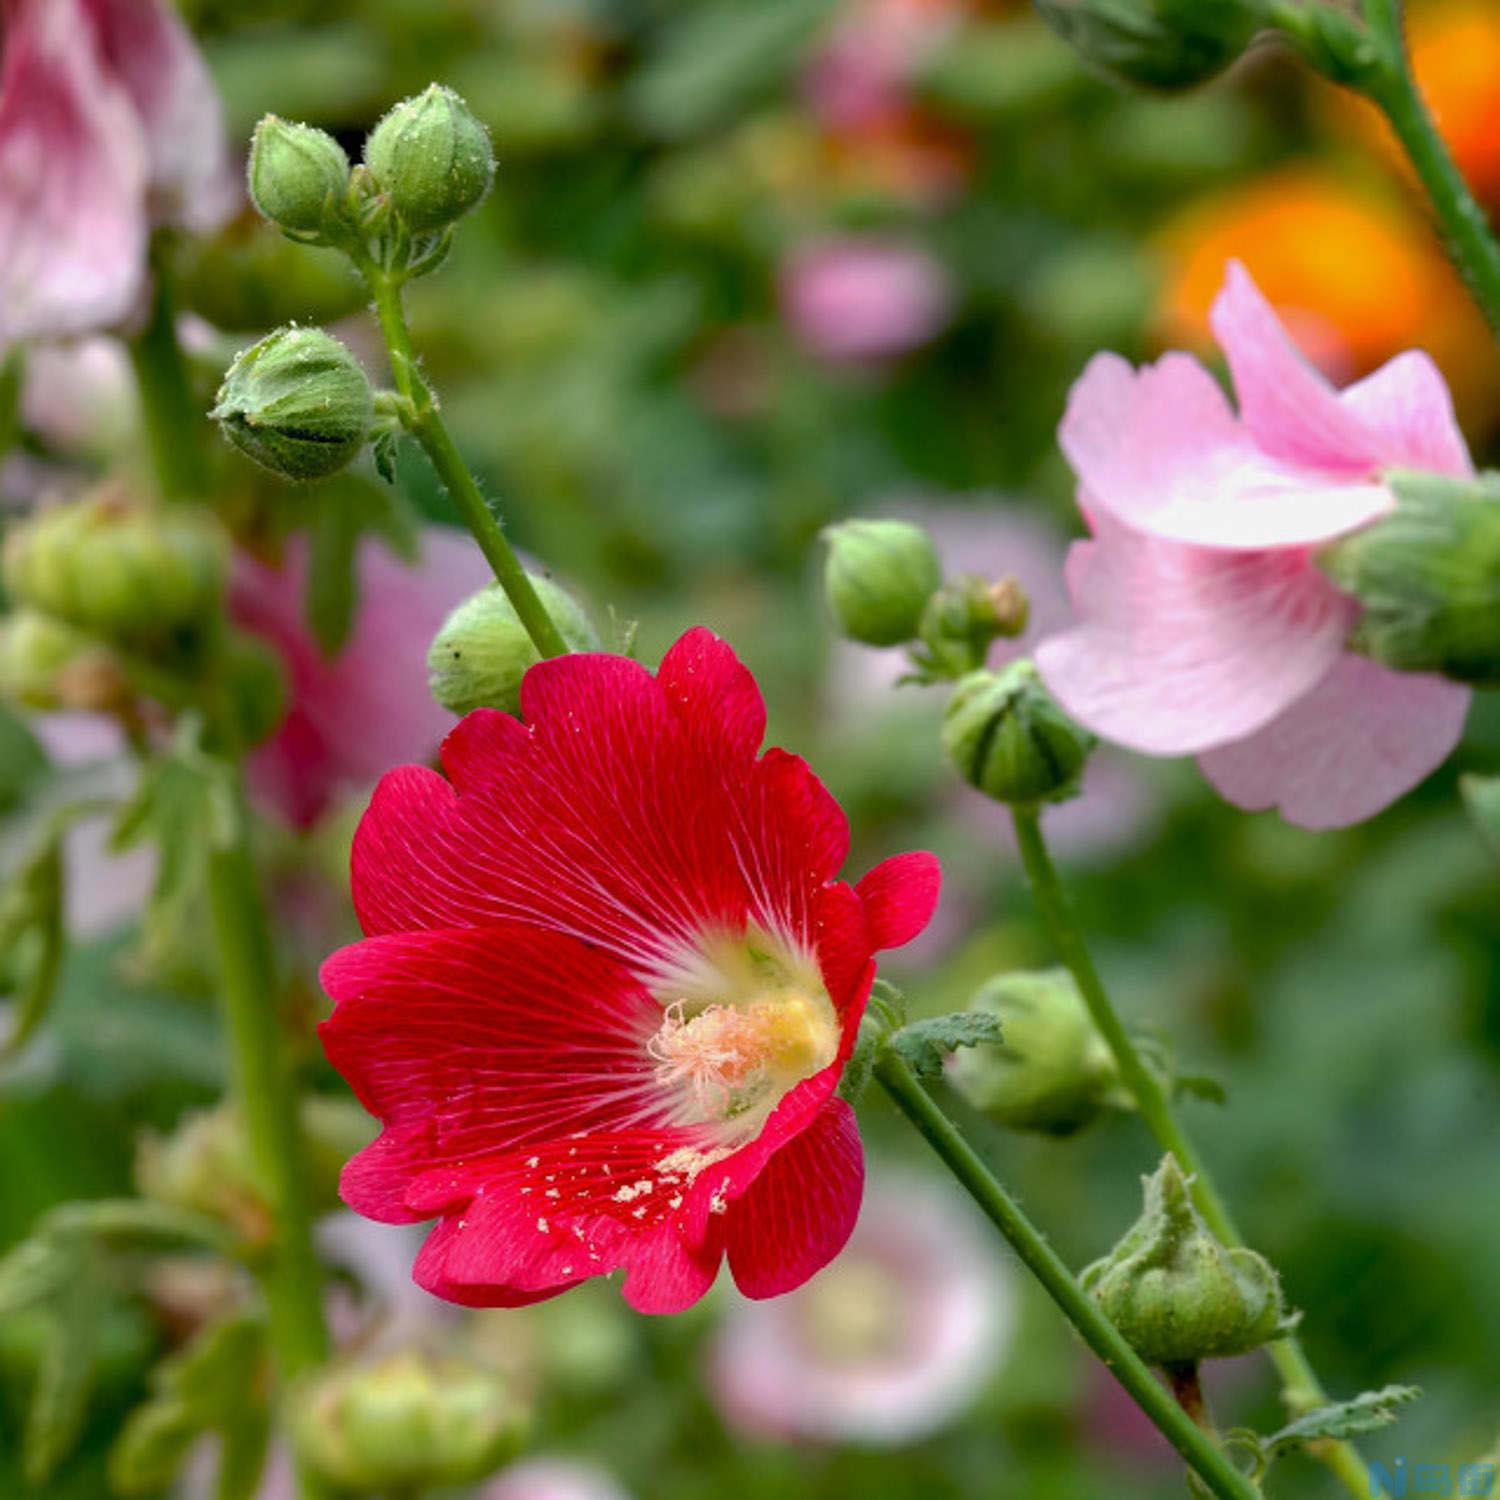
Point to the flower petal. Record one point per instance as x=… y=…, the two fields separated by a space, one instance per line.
x=72 y=180
x=1363 y=737
x=714 y=694
x=1291 y=411
x=1182 y=648
x=1160 y=450
x=1406 y=402
x=900 y=895
x=800 y=1211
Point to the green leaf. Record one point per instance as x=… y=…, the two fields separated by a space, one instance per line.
x=34 y=939
x=1367 y=1412
x=924 y=1045
x=1481 y=796
x=65 y=1375
x=1199 y=1086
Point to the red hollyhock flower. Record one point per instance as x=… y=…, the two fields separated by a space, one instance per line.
x=609 y=987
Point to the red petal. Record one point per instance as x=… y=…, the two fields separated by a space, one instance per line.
x=714 y=694
x=478 y=743
x=900 y=895
x=800 y=1211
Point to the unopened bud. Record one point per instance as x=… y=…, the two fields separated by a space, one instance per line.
x=878 y=579
x=410 y=1422
x=1008 y=738
x=46 y=664
x=1176 y=1292
x=966 y=616
x=478 y=658
x=296 y=173
x=1155 y=44
x=1427 y=577
x=432 y=157
x=297 y=403
x=1051 y=1071
x=116 y=569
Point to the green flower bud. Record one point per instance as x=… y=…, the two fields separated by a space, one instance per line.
x=1010 y=740
x=297 y=403
x=1177 y=1293
x=247 y=278
x=408 y=1422
x=1051 y=1071
x=878 y=578
x=432 y=157
x=296 y=173
x=46 y=664
x=965 y=617
x=1156 y=44
x=478 y=658
x=117 y=569
x=1427 y=577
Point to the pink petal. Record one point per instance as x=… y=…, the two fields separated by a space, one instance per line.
x=72 y=181
x=800 y=1211
x=1406 y=403
x=1183 y=648
x=1363 y=737
x=1291 y=411
x=193 y=179
x=1161 y=451
x=900 y=895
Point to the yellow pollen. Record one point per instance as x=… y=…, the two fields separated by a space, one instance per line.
x=732 y=1056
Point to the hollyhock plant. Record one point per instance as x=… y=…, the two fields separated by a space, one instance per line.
x=353 y=714
x=109 y=125
x=882 y=1348
x=608 y=990
x=1205 y=625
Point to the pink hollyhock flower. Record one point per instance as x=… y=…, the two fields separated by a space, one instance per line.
x=109 y=124
x=356 y=714
x=609 y=988
x=884 y=1347
x=553 y=1479
x=860 y=301
x=1206 y=627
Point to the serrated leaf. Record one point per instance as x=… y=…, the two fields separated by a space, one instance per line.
x=1367 y=1412
x=65 y=1376
x=924 y=1045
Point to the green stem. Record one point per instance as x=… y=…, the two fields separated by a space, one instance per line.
x=174 y=422
x=1301 y=1388
x=1179 y=1429
x=265 y=1097
x=425 y=423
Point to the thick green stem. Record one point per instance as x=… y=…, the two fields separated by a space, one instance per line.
x=174 y=422
x=1301 y=1388
x=1179 y=1429
x=425 y=423
x=1464 y=224
x=265 y=1097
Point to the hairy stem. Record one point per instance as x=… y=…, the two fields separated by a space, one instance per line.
x=1196 y=1447
x=1301 y=1388
x=425 y=423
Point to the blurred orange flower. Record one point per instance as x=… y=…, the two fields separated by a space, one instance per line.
x=1356 y=276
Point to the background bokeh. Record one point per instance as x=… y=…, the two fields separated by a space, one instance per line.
x=748 y=269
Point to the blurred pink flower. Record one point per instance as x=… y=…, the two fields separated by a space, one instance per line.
x=885 y=1345
x=862 y=301
x=1206 y=627
x=552 y=1479
x=863 y=74
x=109 y=124
x=78 y=395
x=368 y=708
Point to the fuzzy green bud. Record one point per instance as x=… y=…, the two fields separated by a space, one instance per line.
x=1010 y=740
x=432 y=157
x=1427 y=577
x=117 y=569
x=1051 y=1071
x=407 y=1423
x=1177 y=1293
x=297 y=402
x=46 y=664
x=1155 y=44
x=965 y=617
x=478 y=658
x=878 y=578
x=296 y=173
